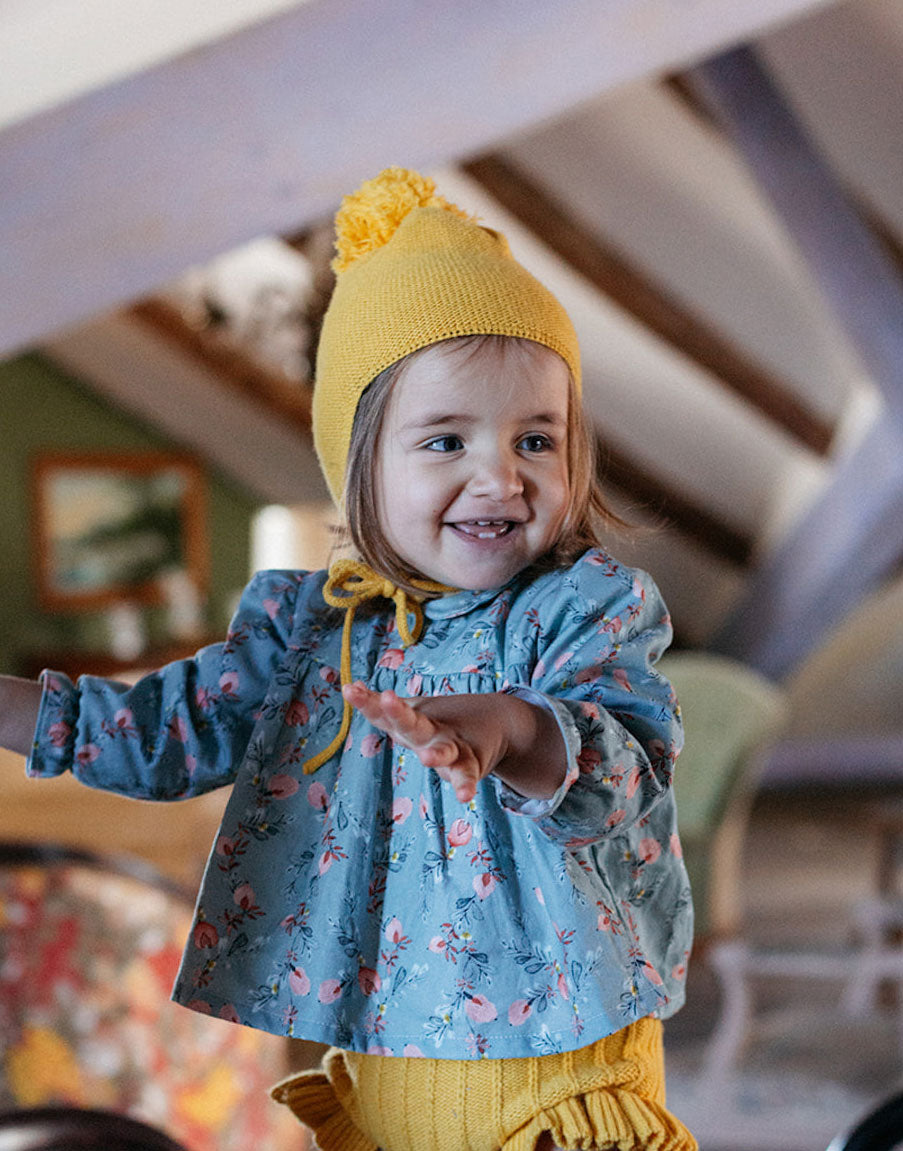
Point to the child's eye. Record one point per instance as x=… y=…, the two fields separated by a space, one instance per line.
x=445 y=444
x=535 y=442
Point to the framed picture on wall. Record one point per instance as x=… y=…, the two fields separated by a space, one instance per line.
x=114 y=528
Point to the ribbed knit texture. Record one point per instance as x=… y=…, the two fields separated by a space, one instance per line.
x=611 y=1094
x=413 y=270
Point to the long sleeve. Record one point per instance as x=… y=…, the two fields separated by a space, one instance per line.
x=179 y=731
x=595 y=644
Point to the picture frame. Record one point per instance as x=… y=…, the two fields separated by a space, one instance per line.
x=111 y=528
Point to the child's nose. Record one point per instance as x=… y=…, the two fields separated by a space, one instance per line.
x=497 y=477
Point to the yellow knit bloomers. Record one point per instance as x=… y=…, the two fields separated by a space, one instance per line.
x=608 y=1095
x=412 y=270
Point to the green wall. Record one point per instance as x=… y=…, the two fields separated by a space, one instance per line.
x=42 y=409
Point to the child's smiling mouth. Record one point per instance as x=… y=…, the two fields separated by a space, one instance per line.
x=483 y=529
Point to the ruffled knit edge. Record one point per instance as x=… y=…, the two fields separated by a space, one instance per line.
x=313 y=1099
x=603 y=1119
x=597 y=1121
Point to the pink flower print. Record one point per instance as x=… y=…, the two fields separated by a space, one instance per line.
x=459 y=833
x=650 y=850
x=124 y=720
x=590 y=710
x=401 y=809
x=87 y=754
x=330 y=675
x=371 y=744
x=563 y=659
x=651 y=974
x=327 y=859
x=243 y=896
x=394 y=931
x=540 y=898
x=563 y=986
x=228 y=1012
x=374 y=1048
x=369 y=981
x=191 y=764
x=437 y=945
x=422 y=808
x=519 y=1012
x=675 y=845
x=201 y=1005
x=620 y=676
x=59 y=733
x=330 y=990
x=633 y=780
x=679 y=971
x=225 y=845
x=202 y=698
x=228 y=683
x=297 y=714
x=205 y=935
x=392 y=657
x=615 y=818
x=540 y=669
x=283 y=786
x=612 y=625
x=589 y=759
x=412 y=1051
x=415 y=683
x=271 y=607
x=317 y=796
x=298 y=982
x=178 y=729
x=588 y=674
x=480 y=1009
x=484 y=884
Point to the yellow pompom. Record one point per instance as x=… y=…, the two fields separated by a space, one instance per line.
x=369 y=217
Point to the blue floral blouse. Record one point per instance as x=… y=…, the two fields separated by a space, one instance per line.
x=363 y=905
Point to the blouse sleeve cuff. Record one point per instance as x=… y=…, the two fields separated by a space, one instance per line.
x=519 y=804
x=54 y=739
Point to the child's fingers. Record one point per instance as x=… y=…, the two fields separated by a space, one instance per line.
x=400 y=720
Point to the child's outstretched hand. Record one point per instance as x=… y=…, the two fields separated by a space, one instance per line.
x=465 y=737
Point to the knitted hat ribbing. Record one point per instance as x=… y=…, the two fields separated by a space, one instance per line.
x=412 y=270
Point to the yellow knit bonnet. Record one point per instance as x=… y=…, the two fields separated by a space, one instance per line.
x=412 y=270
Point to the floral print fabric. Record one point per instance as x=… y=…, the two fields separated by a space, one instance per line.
x=363 y=905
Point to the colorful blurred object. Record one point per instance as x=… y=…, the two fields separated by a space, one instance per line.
x=89 y=949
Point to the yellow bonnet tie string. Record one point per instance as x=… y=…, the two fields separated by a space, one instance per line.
x=348 y=585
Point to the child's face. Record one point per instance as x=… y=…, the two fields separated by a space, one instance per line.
x=472 y=470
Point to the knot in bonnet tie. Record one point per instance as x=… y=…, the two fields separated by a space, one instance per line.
x=349 y=584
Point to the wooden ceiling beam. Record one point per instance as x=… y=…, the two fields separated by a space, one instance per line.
x=850 y=540
x=287 y=399
x=608 y=271
x=671 y=509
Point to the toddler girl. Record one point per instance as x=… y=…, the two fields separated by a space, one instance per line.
x=450 y=850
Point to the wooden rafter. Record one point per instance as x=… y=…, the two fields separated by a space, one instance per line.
x=849 y=541
x=651 y=305
x=677 y=511
x=285 y=398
